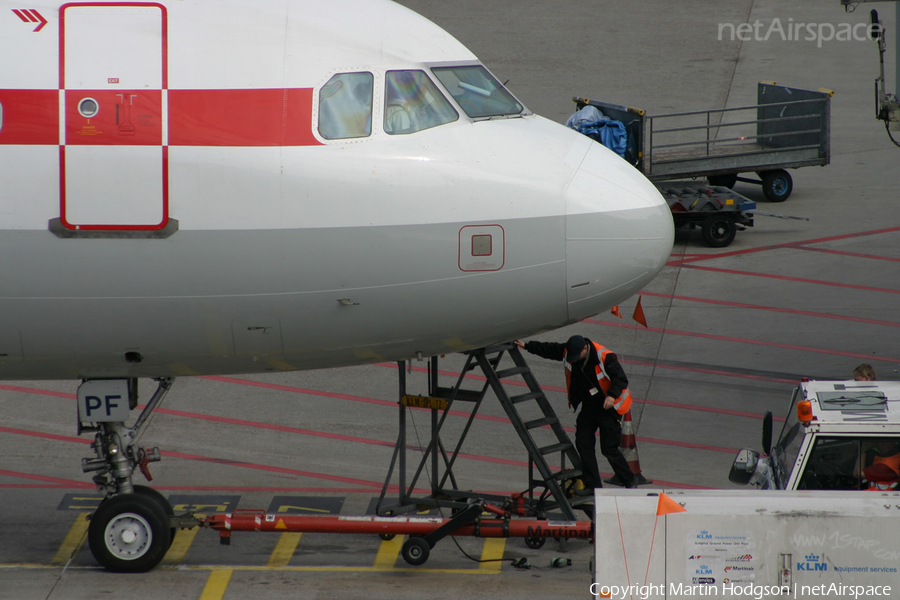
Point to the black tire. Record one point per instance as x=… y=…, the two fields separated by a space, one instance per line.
x=723 y=180
x=129 y=533
x=149 y=492
x=777 y=185
x=719 y=230
x=535 y=543
x=415 y=551
x=387 y=536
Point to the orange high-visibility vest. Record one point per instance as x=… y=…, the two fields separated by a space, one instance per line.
x=881 y=487
x=623 y=402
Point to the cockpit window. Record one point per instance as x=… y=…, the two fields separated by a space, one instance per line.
x=413 y=103
x=345 y=106
x=477 y=92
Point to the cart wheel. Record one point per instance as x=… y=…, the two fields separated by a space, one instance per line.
x=719 y=230
x=777 y=185
x=129 y=533
x=723 y=180
x=534 y=543
x=415 y=551
x=387 y=536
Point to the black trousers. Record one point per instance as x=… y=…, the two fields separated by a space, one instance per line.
x=591 y=418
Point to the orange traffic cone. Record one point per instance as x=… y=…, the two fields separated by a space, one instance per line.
x=628 y=446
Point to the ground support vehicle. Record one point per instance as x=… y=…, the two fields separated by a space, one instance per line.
x=787 y=128
x=742 y=544
x=834 y=432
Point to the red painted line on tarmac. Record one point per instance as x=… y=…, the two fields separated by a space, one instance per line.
x=708 y=409
x=351 y=438
x=46 y=436
x=51 y=482
x=298 y=390
x=792 y=245
x=562 y=390
x=281 y=470
x=505 y=420
x=267 y=488
x=789 y=311
x=707 y=372
x=207 y=459
x=321 y=434
x=723 y=338
x=849 y=286
x=25 y=390
x=845 y=253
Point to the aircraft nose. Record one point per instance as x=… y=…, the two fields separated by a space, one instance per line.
x=618 y=229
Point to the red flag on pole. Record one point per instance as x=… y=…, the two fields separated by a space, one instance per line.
x=615 y=311
x=639 y=314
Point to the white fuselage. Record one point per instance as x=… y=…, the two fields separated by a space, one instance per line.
x=197 y=221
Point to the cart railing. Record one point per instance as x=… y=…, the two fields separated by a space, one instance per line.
x=787 y=125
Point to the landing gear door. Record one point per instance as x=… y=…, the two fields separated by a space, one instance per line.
x=113 y=159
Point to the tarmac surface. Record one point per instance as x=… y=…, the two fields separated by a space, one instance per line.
x=730 y=332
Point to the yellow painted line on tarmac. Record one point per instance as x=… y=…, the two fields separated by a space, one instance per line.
x=214 y=568
x=493 y=550
x=73 y=540
x=388 y=553
x=284 y=550
x=216 y=584
x=180 y=546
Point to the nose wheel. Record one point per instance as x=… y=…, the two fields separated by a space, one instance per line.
x=129 y=533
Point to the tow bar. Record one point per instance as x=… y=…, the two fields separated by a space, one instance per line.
x=424 y=532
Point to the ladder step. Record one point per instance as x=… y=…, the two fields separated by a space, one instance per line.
x=541 y=422
x=562 y=446
x=524 y=397
x=513 y=371
x=567 y=474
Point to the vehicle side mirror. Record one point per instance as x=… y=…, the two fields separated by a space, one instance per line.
x=767 y=433
x=744 y=466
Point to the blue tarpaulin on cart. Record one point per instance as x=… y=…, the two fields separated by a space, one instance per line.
x=594 y=124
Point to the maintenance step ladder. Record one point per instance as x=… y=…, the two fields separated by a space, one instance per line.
x=552 y=484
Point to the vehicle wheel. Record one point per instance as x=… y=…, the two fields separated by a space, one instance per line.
x=723 y=180
x=415 y=551
x=777 y=185
x=149 y=492
x=535 y=543
x=129 y=533
x=387 y=536
x=719 y=230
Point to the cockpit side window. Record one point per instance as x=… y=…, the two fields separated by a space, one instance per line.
x=345 y=106
x=413 y=103
x=477 y=92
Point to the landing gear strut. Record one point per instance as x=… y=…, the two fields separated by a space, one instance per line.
x=130 y=531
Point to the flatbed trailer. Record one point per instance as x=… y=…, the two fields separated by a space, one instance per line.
x=788 y=128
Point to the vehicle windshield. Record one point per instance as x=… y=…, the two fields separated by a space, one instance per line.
x=788 y=446
x=477 y=92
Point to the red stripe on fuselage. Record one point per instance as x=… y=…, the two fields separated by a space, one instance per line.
x=29 y=117
x=268 y=117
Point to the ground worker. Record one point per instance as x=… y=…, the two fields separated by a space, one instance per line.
x=596 y=381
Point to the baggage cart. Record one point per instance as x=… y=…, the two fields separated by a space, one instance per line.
x=787 y=128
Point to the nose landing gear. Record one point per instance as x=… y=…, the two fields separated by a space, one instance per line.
x=130 y=531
